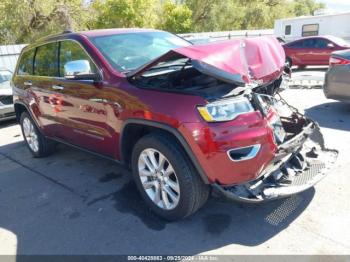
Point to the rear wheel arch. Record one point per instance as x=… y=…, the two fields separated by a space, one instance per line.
x=134 y=129
x=19 y=109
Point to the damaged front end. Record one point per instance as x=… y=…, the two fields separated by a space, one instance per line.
x=253 y=71
x=301 y=159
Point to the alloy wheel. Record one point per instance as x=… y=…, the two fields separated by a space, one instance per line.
x=159 y=179
x=30 y=134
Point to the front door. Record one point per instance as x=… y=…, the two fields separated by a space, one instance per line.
x=81 y=105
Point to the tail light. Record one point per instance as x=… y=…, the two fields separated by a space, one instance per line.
x=338 y=61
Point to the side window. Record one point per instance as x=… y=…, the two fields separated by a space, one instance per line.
x=72 y=51
x=310 y=43
x=298 y=44
x=45 y=62
x=288 y=30
x=25 y=66
x=321 y=43
x=310 y=30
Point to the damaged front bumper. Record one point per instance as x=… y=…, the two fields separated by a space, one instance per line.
x=299 y=164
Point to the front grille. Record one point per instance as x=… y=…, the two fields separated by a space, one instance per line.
x=6 y=100
x=307 y=175
x=9 y=114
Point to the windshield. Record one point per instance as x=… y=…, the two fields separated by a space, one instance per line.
x=126 y=52
x=5 y=76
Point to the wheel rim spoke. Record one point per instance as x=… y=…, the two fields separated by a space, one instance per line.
x=152 y=158
x=171 y=194
x=162 y=161
x=149 y=184
x=165 y=200
x=146 y=173
x=169 y=171
x=173 y=185
x=156 y=198
x=147 y=162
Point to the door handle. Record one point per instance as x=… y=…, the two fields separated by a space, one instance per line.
x=56 y=87
x=28 y=83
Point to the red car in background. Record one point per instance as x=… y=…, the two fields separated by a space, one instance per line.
x=315 y=50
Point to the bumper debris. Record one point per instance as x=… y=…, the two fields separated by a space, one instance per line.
x=299 y=165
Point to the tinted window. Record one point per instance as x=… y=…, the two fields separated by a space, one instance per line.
x=25 y=66
x=298 y=44
x=72 y=51
x=310 y=30
x=309 y=43
x=288 y=30
x=45 y=62
x=321 y=43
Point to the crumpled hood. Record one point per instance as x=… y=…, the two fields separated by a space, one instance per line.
x=250 y=60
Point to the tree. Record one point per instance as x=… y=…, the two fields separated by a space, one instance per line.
x=176 y=18
x=26 y=20
x=124 y=13
x=23 y=21
x=306 y=7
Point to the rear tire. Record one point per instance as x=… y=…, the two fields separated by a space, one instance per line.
x=160 y=153
x=37 y=143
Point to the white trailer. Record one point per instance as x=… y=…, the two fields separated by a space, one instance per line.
x=291 y=29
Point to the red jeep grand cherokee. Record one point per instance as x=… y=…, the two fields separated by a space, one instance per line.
x=184 y=118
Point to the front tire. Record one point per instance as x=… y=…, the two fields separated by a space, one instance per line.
x=166 y=178
x=37 y=143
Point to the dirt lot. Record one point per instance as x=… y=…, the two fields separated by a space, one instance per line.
x=76 y=203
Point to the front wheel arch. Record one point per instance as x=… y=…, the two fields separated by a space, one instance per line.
x=135 y=129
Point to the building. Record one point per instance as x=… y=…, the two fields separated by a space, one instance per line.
x=291 y=29
x=9 y=55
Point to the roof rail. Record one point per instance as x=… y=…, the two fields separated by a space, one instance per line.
x=67 y=31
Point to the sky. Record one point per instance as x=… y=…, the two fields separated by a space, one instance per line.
x=337 y=5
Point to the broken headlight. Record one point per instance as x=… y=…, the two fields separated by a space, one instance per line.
x=225 y=110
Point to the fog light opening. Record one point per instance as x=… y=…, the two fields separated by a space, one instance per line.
x=243 y=153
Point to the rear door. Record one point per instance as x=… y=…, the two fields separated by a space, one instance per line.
x=324 y=50
x=45 y=74
x=308 y=53
x=297 y=52
x=82 y=105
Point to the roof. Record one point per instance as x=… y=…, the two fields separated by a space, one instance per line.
x=93 y=33
x=312 y=16
x=328 y=37
x=113 y=31
x=312 y=37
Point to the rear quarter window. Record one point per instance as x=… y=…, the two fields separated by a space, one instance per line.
x=25 y=66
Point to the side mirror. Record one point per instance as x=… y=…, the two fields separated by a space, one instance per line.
x=79 y=70
x=330 y=45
